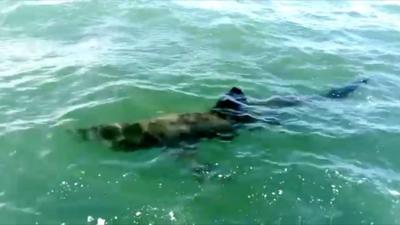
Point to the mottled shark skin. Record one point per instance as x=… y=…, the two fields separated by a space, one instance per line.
x=175 y=130
x=169 y=131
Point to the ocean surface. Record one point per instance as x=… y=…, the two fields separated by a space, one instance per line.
x=70 y=64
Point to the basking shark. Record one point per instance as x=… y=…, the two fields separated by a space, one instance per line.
x=230 y=112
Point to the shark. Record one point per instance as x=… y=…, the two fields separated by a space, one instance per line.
x=231 y=111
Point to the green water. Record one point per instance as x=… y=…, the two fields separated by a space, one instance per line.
x=66 y=64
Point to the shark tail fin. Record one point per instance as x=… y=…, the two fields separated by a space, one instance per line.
x=344 y=92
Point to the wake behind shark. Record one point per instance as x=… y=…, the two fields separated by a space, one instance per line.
x=230 y=112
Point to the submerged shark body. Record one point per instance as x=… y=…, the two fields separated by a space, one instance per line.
x=169 y=130
x=221 y=121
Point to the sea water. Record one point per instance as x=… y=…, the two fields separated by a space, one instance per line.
x=67 y=64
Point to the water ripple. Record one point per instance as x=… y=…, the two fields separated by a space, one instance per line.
x=70 y=64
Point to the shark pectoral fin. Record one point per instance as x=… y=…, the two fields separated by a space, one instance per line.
x=210 y=172
x=202 y=171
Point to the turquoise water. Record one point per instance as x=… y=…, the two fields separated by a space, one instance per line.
x=67 y=64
